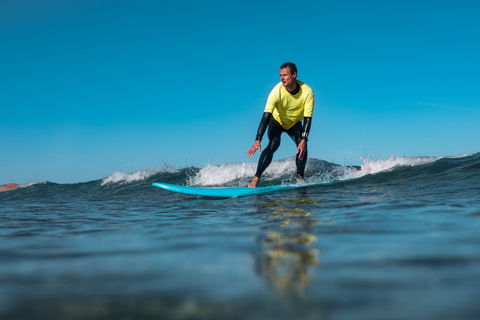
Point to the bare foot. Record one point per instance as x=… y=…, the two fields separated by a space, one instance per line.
x=300 y=181
x=254 y=182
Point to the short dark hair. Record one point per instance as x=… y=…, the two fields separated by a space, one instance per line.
x=291 y=66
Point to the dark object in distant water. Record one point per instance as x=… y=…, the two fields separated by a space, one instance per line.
x=8 y=187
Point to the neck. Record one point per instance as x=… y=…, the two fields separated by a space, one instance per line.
x=293 y=88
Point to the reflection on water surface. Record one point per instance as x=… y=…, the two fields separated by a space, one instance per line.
x=288 y=254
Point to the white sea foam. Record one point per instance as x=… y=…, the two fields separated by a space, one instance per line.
x=31 y=183
x=213 y=174
x=125 y=177
x=240 y=173
x=374 y=166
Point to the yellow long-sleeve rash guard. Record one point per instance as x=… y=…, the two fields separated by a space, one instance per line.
x=289 y=109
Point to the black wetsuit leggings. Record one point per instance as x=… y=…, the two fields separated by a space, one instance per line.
x=275 y=131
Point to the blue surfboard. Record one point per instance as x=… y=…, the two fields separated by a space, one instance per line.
x=227 y=192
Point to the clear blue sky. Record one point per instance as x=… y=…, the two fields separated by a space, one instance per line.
x=91 y=87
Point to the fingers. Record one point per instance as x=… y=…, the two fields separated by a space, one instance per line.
x=257 y=146
x=301 y=153
x=252 y=150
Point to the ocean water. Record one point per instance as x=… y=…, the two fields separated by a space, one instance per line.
x=399 y=239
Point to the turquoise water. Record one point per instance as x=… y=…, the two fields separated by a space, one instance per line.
x=398 y=240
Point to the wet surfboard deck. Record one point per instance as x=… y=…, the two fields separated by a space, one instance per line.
x=227 y=192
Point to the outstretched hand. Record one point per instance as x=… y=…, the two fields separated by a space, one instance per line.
x=256 y=146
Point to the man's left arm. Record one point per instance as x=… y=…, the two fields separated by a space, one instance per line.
x=302 y=146
x=307 y=122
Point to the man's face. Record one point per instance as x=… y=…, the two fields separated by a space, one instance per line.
x=288 y=79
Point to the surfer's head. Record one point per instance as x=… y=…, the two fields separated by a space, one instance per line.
x=291 y=67
x=288 y=74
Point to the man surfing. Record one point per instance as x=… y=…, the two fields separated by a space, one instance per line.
x=289 y=103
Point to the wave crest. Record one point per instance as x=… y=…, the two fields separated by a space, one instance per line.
x=375 y=166
x=125 y=177
x=238 y=174
x=31 y=183
x=213 y=174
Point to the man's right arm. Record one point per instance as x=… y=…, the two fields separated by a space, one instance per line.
x=262 y=127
